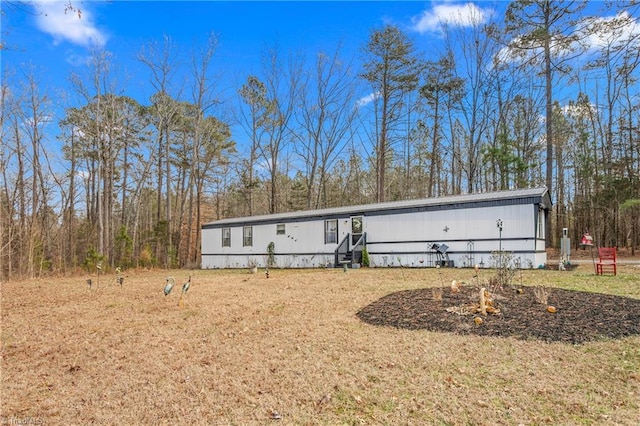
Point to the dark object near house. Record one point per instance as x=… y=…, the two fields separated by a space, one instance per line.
x=442 y=256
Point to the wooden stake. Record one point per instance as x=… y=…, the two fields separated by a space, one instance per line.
x=483 y=303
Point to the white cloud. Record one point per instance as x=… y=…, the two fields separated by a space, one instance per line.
x=366 y=100
x=576 y=110
x=611 y=31
x=518 y=50
x=76 y=59
x=593 y=33
x=76 y=27
x=451 y=14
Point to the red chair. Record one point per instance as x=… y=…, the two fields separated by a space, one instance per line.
x=606 y=260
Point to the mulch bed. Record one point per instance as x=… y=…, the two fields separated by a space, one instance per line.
x=580 y=316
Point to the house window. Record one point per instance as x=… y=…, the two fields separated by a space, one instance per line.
x=280 y=229
x=247 y=236
x=226 y=237
x=541 y=230
x=331 y=231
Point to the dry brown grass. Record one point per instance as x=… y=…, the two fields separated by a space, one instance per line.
x=245 y=346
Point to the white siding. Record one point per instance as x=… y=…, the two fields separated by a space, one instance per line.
x=409 y=236
x=302 y=245
x=391 y=235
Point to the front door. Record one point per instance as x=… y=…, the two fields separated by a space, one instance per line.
x=356 y=229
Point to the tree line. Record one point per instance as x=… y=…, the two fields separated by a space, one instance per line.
x=527 y=101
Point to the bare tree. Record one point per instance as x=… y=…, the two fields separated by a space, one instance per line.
x=161 y=61
x=9 y=231
x=475 y=47
x=326 y=116
x=442 y=90
x=26 y=243
x=281 y=81
x=544 y=37
x=211 y=142
x=613 y=70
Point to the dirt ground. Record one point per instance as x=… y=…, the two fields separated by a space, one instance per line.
x=580 y=317
x=306 y=347
x=577 y=316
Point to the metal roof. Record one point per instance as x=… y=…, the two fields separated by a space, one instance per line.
x=540 y=194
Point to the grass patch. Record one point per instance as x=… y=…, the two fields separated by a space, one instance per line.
x=244 y=347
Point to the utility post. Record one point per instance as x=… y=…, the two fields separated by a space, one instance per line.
x=499 y=225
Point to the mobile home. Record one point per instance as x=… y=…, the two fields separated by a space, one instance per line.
x=454 y=231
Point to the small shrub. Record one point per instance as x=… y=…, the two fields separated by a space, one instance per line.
x=505 y=266
x=146 y=257
x=493 y=283
x=92 y=259
x=365 y=258
x=123 y=248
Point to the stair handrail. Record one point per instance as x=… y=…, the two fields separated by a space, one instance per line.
x=361 y=241
x=343 y=248
x=358 y=247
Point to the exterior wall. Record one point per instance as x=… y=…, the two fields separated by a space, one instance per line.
x=471 y=235
x=401 y=235
x=301 y=246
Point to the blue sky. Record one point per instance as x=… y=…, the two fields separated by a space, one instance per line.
x=57 y=43
x=49 y=38
x=42 y=33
